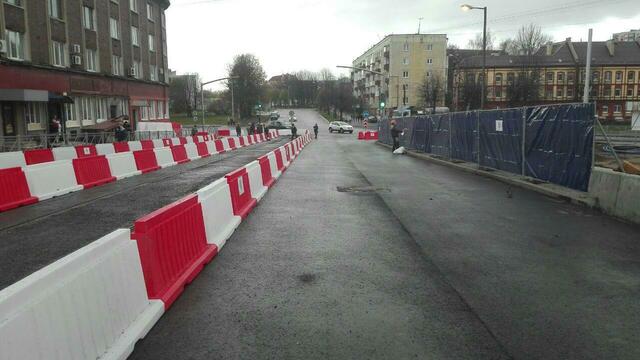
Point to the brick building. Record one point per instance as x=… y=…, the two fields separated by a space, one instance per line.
x=85 y=61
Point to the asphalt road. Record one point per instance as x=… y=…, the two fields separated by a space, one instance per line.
x=34 y=236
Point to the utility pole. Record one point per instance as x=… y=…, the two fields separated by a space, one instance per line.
x=233 y=108
x=587 y=76
x=419 y=24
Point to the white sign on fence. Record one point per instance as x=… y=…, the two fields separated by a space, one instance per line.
x=499 y=125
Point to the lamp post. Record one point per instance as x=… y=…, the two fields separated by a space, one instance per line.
x=387 y=76
x=467 y=7
x=202 y=94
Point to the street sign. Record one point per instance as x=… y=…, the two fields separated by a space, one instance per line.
x=365 y=123
x=365 y=114
x=291 y=113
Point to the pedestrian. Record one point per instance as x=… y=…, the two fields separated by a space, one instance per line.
x=294 y=131
x=126 y=129
x=315 y=130
x=238 y=130
x=252 y=128
x=266 y=132
x=395 y=135
x=56 y=128
x=194 y=130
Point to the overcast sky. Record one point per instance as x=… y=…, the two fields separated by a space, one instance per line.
x=290 y=35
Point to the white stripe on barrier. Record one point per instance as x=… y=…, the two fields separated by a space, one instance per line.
x=123 y=165
x=12 y=159
x=135 y=145
x=211 y=146
x=90 y=304
x=285 y=132
x=164 y=157
x=189 y=139
x=51 y=179
x=105 y=149
x=255 y=180
x=157 y=143
x=64 y=153
x=200 y=138
x=226 y=143
x=219 y=221
x=175 y=141
x=274 y=165
x=192 y=151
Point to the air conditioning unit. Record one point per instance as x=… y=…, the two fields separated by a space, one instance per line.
x=131 y=72
x=75 y=49
x=3 y=46
x=76 y=60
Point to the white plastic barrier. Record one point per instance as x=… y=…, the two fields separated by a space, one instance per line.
x=135 y=145
x=255 y=180
x=12 y=159
x=164 y=157
x=217 y=210
x=105 y=149
x=226 y=143
x=64 y=153
x=189 y=139
x=51 y=179
x=284 y=132
x=211 y=146
x=283 y=152
x=192 y=151
x=157 y=143
x=123 y=165
x=274 y=165
x=90 y=304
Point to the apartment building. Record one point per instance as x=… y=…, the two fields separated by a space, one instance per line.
x=84 y=61
x=404 y=60
x=560 y=70
x=631 y=35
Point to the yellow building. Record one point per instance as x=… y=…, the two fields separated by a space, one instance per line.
x=405 y=60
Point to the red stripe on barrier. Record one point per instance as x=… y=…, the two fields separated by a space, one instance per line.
x=203 y=151
x=183 y=140
x=232 y=143
x=146 y=160
x=249 y=139
x=179 y=154
x=241 y=198
x=262 y=137
x=92 y=171
x=38 y=156
x=265 y=170
x=14 y=190
x=146 y=144
x=279 y=162
x=195 y=139
x=256 y=138
x=173 y=248
x=86 y=151
x=219 y=146
x=167 y=142
x=122 y=146
x=224 y=132
x=241 y=139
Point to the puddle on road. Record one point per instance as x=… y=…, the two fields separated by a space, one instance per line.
x=307 y=278
x=362 y=189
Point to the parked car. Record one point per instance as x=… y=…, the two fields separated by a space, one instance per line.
x=371 y=119
x=274 y=115
x=279 y=124
x=341 y=127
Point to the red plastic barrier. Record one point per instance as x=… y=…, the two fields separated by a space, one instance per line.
x=167 y=142
x=242 y=143
x=256 y=138
x=360 y=135
x=146 y=144
x=92 y=171
x=241 y=198
x=263 y=137
x=279 y=162
x=179 y=154
x=373 y=135
x=146 y=160
x=224 y=132
x=177 y=128
x=265 y=169
x=203 y=151
x=14 y=190
x=249 y=139
x=232 y=143
x=173 y=248
x=195 y=139
x=287 y=152
x=219 y=146
x=121 y=146
x=86 y=151
x=183 y=140
x=38 y=156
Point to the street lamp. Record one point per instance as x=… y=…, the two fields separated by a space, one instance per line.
x=202 y=94
x=388 y=76
x=467 y=7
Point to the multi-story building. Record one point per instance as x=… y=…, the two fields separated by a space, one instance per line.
x=631 y=35
x=556 y=74
x=84 y=61
x=404 y=60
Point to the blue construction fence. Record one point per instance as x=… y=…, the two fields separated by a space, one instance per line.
x=557 y=147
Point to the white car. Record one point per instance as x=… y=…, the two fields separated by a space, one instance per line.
x=341 y=127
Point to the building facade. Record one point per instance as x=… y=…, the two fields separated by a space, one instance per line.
x=559 y=70
x=404 y=60
x=84 y=61
x=631 y=35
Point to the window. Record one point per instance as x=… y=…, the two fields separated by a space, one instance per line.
x=133 y=5
x=498 y=92
x=55 y=8
x=428 y=73
x=152 y=43
x=559 y=91
x=549 y=77
x=570 y=92
x=618 y=76
x=117 y=68
x=150 y=11
x=498 y=78
x=510 y=78
x=629 y=91
x=607 y=76
x=114 y=28
x=605 y=109
x=35 y=113
x=14 y=2
x=58 y=54
x=405 y=47
x=134 y=36
x=549 y=94
x=405 y=61
x=607 y=91
x=137 y=70
x=617 y=92
x=91 y=60
x=595 y=77
x=429 y=47
x=631 y=76
x=429 y=61
x=89 y=18
x=571 y=77
x=153 y=72
x=561 y=77
x=15 y=45
x=405 y=74
x=617 y=108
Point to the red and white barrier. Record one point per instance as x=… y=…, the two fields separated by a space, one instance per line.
x=105 y=149
x=257 y=188
x=217 y=210
x=123 y=165
x=134 y=145
x=164 y=157
x=38 y=156
x=12 y=159
x=14 y=190
x=51 y=179
x=64 y=153
x=192 y=151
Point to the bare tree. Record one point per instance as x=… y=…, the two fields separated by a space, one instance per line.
x=476 y=42
x=431 y=90
x=249 y=84
x=529 y=39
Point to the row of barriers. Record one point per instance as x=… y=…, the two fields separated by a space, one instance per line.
x=367 y=135
x=89 y=166
x=98 y=301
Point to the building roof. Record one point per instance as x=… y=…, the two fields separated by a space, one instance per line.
x=561 y=54
x=393 y=35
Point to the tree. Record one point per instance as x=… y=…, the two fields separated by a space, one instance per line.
x=476 y=43
x=431 y=90
x=249 y=85
x=529 y=39
x=183 y=93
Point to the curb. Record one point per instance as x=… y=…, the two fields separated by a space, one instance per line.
x=568 y=196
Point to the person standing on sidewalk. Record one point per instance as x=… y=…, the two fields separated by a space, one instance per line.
x=238 y=130
x=395 y=135
x=315 y=130
x=294 y=131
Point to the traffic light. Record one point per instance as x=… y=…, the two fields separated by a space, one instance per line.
x=382 y=104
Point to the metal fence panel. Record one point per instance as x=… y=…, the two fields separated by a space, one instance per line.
x=501 y=139
x=419 y=134
x=438 y=139
x=464 y=135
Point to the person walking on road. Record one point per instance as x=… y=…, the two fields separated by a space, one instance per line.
x=294 y=131
x=315 y=130
x=238 y=130
x=395 y=135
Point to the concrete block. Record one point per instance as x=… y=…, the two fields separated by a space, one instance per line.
x=603 y=186
x=628 y=202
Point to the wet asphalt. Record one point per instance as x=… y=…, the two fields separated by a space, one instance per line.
x=34 y=236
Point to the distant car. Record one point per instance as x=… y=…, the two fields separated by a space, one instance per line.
x=371 y=119
x=279 y=124
x=293 y=119
x=341 y=127
x=274 y=115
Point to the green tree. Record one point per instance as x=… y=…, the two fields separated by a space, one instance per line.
x=249 y=85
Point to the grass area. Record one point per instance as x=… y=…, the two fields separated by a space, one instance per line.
x=210 y=119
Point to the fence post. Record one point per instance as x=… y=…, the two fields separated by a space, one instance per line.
x=523 y=134
x=478 y=135
x=449 y=115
